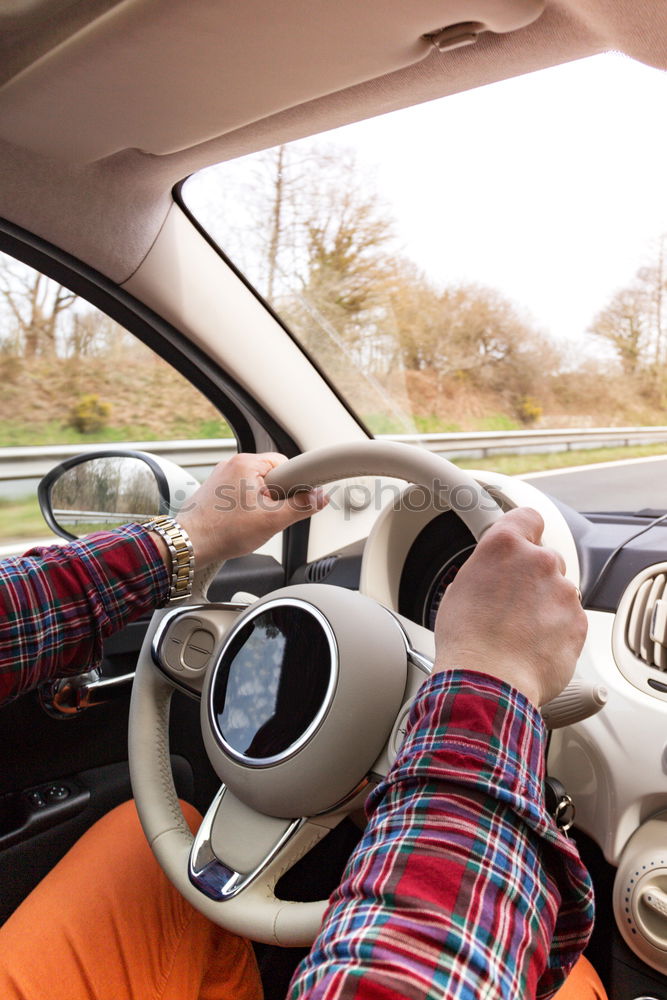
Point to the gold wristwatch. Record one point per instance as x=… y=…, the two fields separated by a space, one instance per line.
x=182 y=556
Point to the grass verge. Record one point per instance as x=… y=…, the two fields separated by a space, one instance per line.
x=14 y=434
x=518 y=465
x=21 y=518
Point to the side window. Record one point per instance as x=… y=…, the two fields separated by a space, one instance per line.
x=72 y=377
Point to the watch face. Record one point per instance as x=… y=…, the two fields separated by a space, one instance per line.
x=271 y=682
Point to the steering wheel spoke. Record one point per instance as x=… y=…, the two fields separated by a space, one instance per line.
x=420 y=648
x=235 y=845
x=187 y=640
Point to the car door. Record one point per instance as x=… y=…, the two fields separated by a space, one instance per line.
x=76 y=376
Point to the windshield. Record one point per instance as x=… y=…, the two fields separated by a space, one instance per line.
x=489 y=262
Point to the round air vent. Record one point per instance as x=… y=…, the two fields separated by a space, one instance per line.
x=640 y=892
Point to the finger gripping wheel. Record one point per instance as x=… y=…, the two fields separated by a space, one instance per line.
x=299 y=701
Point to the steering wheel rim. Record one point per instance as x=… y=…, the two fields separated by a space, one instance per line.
x=450 y=486
x=255 y=911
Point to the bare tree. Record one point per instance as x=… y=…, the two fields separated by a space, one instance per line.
x=623 y=324
x=255 y=210
x=36 y=305
x=277 y=214
x=634 y=321
x=653 y=282
x=467 y=331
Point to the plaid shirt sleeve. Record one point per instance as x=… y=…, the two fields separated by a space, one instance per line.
x=462 y=888
x=57 y=604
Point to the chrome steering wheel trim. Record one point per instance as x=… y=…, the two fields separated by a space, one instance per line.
x=211 y=876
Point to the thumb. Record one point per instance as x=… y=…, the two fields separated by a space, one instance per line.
x=300 y=506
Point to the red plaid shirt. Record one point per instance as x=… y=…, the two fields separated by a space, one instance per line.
x=58 y=604
x=462 y=887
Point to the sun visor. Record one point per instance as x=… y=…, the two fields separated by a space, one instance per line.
x=163 y=75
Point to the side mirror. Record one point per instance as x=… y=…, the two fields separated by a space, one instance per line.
x=99 y=491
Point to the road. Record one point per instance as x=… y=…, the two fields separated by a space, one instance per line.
x=630 y=485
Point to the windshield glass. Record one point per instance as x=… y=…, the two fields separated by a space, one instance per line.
x=489 y=262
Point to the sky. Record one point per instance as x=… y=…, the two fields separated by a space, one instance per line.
x=550 y=187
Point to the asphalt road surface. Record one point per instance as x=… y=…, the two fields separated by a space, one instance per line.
x=631 y=485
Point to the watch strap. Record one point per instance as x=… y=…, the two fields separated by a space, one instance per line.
x=182 y=555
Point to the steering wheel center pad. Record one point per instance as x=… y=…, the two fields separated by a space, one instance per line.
x=288 y=762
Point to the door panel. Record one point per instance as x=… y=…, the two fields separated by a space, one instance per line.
x=88 y=752
x=99 y=790
x=83 y=377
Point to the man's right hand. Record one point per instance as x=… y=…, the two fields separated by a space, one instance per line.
x=511 y=612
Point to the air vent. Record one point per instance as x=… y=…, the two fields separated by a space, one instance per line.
x=320 y=569
x=639 y=637
x=646 y=625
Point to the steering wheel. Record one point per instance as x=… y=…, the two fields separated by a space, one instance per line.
x=303 y=698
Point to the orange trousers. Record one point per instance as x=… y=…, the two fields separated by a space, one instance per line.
x=106 y=924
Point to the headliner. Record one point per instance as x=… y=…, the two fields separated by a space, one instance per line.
x=105 y=105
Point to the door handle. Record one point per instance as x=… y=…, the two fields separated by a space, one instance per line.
x=65 y=697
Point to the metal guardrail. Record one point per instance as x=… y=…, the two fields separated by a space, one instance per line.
x=33 y=463
x=560 y=439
